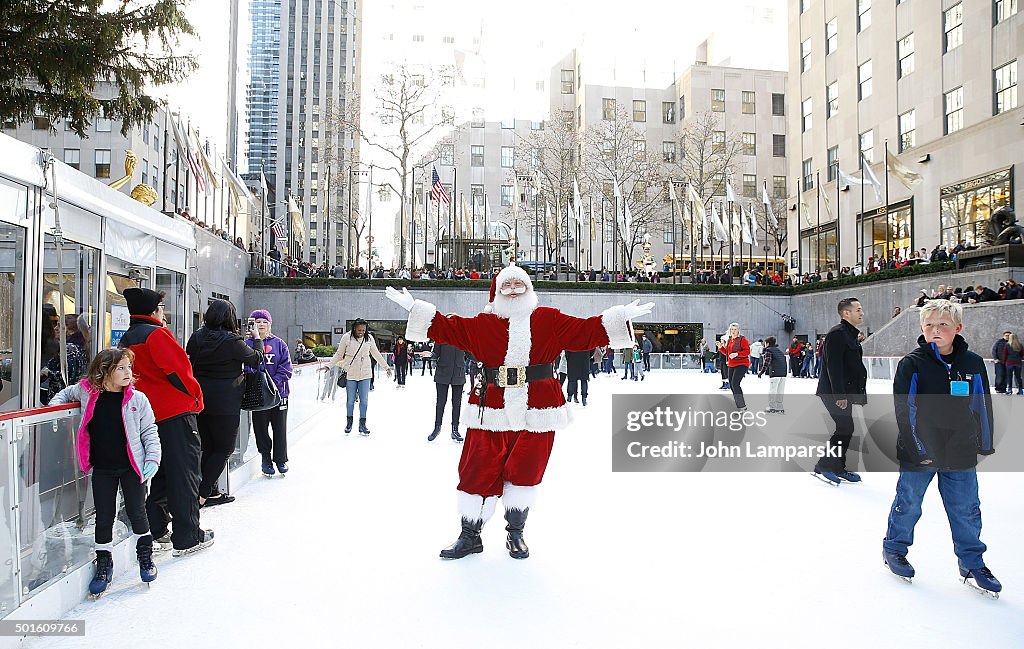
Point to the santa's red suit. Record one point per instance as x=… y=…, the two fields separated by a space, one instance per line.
x=509 y=439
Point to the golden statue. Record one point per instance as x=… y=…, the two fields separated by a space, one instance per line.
x=144 y=194
x=129 y=170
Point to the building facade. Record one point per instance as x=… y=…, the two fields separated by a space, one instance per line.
x=933 y=84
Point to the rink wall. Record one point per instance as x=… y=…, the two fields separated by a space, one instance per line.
x=323 y=308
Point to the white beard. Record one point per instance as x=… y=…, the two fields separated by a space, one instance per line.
x=512 y=308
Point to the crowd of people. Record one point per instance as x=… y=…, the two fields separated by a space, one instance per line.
x=212 y=228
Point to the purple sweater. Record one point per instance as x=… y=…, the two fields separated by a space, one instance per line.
x=278 y=362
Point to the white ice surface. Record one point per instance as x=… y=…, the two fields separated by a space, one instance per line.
x=343 y=552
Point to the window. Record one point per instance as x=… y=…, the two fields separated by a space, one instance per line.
x=535 y=153
x=831 y=36
x=568 y=118
x=749 y=144
x=416 y=80
x=506 y=195
x=508 y=123
x=537 y=126
x=805 y=55
x=863 y=15
x=73 y=157
x=682 y=106
x=833 y=162
x=476 y=197
x=639 y=110
x=953 y=103
x=668 y=112
x=417 y=38
x=718 y=142
x=448 y=115
x=568 y=82
x=1005 y=9
x=507 y=157
x=448 y=40
x=668 y=151
x=864 y=80
x=667 y=234
x=639 y=148
x=747 y=99
x=804 y=5
x=749 y=185
x=805 y=122
x=778 y=104
x=478 y=118
x=102 y=160
x=779 y=145
x=1006 y=87
x=808 y=174
x=539 y=86
x=145 y=171
x=40 y=121
x=906 y=124
x=477 y=155
x=718 y=100
x=607 y=109
x=779 y=186
x=867 y=145
x=905 y=54
x=831 y=99
x=103 y=125
x=953 y=25
x=447 y=154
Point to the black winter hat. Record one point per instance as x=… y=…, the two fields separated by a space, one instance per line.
x=141 y=301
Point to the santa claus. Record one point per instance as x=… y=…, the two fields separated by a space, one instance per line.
x=520 y=402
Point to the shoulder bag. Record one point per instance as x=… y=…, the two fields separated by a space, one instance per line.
x=343 y=376
x=261 y=392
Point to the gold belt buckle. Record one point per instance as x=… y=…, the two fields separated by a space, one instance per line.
x=503 y=376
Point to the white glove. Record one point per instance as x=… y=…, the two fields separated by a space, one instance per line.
x=634 y=309
x=403 y=299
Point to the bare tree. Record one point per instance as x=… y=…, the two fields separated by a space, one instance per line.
x=407 y=107
x=615 y=150
x=707 y=156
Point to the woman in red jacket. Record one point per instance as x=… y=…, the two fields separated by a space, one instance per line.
x=737 y=357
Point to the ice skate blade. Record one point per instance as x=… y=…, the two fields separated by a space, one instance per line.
x=824 y=479
x=908 y=580
x=982 y=591
x=95 y=596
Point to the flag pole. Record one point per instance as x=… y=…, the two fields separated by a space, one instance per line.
x=839 y=225
x=765 y=194
x=885 y=169
x=590 y=248
x=859 y=233
x=817 y=218
x=672 y=261
x=799 y=235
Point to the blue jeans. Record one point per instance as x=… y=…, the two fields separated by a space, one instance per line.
x=959 y=491
x=363 y=388
x=629 y=371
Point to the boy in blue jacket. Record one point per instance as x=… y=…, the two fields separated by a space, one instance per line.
x=944 y=415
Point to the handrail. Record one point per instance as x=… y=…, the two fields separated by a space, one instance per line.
x=29 y=412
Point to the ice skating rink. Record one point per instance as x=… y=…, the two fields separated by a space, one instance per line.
x=344 y=551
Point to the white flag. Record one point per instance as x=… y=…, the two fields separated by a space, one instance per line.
x=730 y=195
x=627 y=222
x=847 y=179
x=828 y=206
x=577 y=203
x=910 y=179
x=615 y=188
x=768 y=207
x=517 y=198
x=745 y=225
x=720 y=233
x=672 y=192
x=753 y=225
x=869 y=174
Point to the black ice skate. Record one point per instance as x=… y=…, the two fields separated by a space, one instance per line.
x=898 y=564
x=468 y=543
x=982 y=580
x=435 y=433
x=348 y=425
x=516 y=544
x=456 y=437
x=104 y=574
x=363 y=430
x=144 y=551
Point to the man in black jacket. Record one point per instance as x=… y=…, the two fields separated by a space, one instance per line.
x=450 y=371
x=842 y=384
x=997 y=355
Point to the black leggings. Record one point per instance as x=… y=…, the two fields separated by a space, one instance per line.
x=104 y=496
x=219 y=433
x=736 y=375
x=442 y=398
x=261 y=422
x=400 y=372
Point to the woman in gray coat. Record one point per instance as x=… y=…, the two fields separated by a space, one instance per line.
x=449 y=373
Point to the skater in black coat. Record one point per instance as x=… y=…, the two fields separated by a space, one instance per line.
x=842 y=384
x=450 y=374
x=578 y=372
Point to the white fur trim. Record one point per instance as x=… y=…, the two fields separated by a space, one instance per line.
x=474 y=508
x=619 y=330
x=421 y=316
x=516 y=497
x=537 y=420
x=518 y=354
x=513 y=271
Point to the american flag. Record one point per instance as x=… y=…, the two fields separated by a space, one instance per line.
x=277 y=230
x=437 y=191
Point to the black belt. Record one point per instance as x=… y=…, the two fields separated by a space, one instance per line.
x=508 y=376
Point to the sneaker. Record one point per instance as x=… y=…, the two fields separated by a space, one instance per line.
x=849 y=476
x=898 y=564
x=206 y=540
x=282 y=467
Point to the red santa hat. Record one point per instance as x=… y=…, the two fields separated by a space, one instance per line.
x=508 y=272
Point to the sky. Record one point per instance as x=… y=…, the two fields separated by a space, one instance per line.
x=524 y=42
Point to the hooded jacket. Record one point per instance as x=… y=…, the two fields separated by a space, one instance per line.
x=162 y=369
x=217 y=357
x=934 y=425
x=276 y=359
x=139 y=424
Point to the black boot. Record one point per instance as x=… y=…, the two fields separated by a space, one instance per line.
x=468 y=542
x=104 y=573
x=516 y=544
x=348 y=425
x=144 y=551
x=363 y=430
x=437 y=431
x=455 y=433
